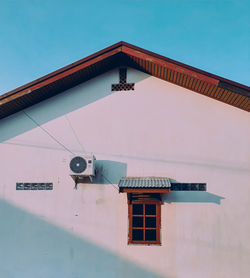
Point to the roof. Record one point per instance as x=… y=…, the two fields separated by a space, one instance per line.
x=144 y=182
x=122 y=53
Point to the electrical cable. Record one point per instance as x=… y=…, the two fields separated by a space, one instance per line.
x=110 y=182
x=51 y=136
x=77 y=139
x=58 y=142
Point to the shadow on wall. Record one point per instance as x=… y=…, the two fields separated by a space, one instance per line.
x=192 y=197
x=62 y=104
x=109 y=172
x=31 y=247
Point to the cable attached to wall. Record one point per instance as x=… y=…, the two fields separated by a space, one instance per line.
x=109 y=182
x=74 y=132
x=76 y=183
x=51 y=136
x=58 y=142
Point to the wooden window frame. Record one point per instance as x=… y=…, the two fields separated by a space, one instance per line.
x=158 y=222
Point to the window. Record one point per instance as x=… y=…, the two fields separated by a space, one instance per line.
x=144 y=222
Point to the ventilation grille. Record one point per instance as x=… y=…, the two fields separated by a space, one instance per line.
x=34 y=186
x=123 y=85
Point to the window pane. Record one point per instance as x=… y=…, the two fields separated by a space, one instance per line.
x=150 y=222
x=138 y=209
x=150 y=209
x=137 y=234
x=137 y=222
x=150 y=235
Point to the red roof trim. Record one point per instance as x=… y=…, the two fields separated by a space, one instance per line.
x=217 y=77
x=125 y=47
x=9 y=102
x=170 y=65
x=62 y=70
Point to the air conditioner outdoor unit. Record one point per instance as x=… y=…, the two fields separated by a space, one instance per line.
x=82 y=166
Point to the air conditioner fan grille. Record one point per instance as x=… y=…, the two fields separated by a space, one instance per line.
x=78 y=165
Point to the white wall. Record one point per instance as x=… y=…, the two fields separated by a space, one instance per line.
x=159 y=129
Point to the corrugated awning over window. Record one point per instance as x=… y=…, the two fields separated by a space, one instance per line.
x=142 y=182
x=147 y=184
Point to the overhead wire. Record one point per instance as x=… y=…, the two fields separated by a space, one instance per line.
x=50 y=135
x=109 y=182
x=62 y=145
x=77 y=139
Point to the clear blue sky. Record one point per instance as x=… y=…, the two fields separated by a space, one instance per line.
x=40 y=36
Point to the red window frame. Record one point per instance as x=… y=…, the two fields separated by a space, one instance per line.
x=158 y=222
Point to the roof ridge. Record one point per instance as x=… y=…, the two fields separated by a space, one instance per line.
x=200 y=81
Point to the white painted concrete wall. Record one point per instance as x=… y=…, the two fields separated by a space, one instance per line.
x=159 y=129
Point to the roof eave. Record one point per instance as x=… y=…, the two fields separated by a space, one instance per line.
x=219 y=88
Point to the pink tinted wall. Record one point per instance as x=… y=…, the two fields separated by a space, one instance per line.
x=159 y=129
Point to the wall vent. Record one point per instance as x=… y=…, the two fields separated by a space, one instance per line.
x=123 y=85
x=34 y=186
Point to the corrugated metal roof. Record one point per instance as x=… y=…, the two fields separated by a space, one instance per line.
x=144 y=182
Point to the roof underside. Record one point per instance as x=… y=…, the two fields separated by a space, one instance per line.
x=124 y=54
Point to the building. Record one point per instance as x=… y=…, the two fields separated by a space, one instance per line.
x=169 y=193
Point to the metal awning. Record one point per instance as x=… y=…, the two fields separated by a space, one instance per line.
x=156 y=185
x=151 y=184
